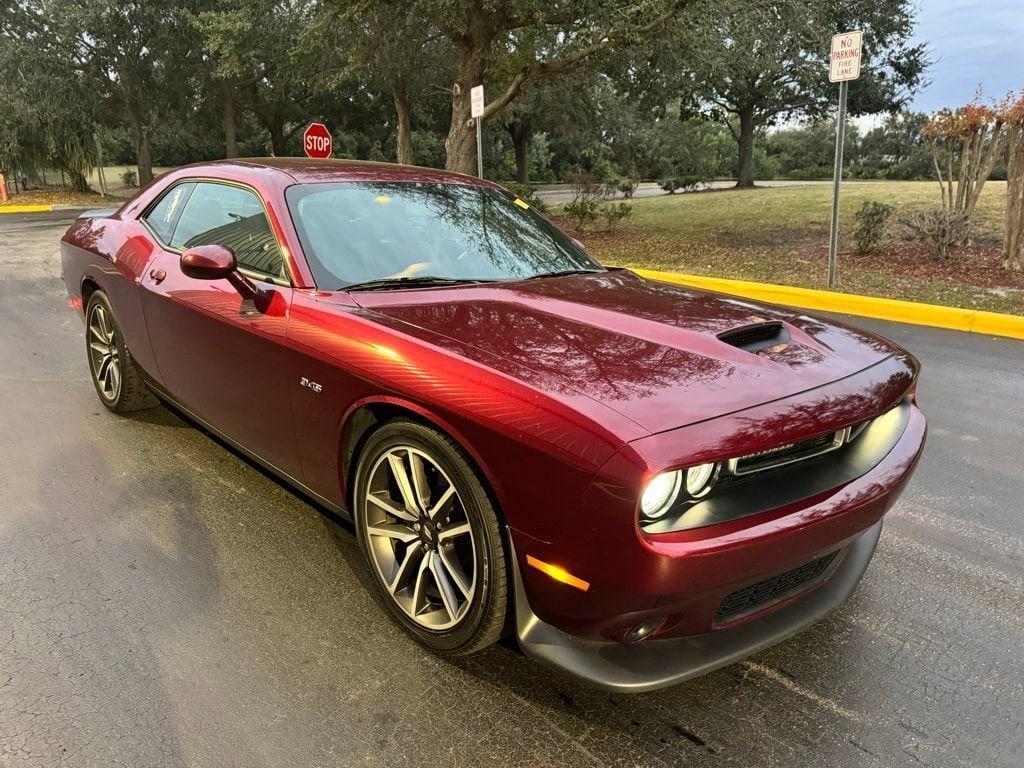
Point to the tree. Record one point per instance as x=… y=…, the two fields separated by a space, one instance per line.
x=965 y=144
x=753 y=64
x=671 y=147
x=808 y=151
x=1013 y=242
x=135 y=58
x=575 y=102
x=46 y=116
x=542 y=39
x=259 y=53
x=405 y=65
x=896 y=149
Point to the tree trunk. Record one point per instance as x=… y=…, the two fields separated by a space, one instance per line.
x=460 y=145
x=521 y=133
x=78 y=181
x=143 y=155
x=1013 y=243
x=745 y=172
x=140 y=140
x=144 y=159
x=403 y=138
x=230 y=128
x=277 y=139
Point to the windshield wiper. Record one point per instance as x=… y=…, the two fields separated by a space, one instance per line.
x=411 y=281
x=564 y=272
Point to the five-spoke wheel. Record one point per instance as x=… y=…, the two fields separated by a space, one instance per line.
x=431 y=535
x=103 y=351
x=420 y=538
x=118 y=381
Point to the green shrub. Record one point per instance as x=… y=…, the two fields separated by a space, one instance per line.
x=627 y=186
x=691 y=183
x=614 y=213
x=582 y=212
x=585 y=185
x=810 y=173
x=872 y=219
x=130 y=179
x=670 y=184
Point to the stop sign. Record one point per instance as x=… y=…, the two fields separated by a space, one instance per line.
x=317 y=140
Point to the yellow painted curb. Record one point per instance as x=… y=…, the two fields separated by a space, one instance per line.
x=970 y=320
x=25 y=208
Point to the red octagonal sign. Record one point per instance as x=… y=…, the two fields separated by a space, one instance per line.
x=317 y=140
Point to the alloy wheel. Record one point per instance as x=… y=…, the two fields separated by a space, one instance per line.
x=420 y=538
x=104 y=355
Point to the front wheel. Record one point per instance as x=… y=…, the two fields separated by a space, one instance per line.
x=430 y=533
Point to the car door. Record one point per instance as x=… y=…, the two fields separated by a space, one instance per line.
x=218 y=355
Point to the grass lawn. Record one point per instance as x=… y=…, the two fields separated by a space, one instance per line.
x=780 y=235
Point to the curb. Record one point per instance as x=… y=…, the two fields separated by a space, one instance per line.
x=26 y=208
x=933 y=315
x=49 y=208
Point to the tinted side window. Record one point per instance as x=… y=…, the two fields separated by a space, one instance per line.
x=165 y=214
x=220 y=214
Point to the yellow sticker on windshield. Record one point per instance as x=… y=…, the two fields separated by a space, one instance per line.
x=382 y=199
x=522 y=203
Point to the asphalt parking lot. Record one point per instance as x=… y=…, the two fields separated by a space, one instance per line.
x=164 y=603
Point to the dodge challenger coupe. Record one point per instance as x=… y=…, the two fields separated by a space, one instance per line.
x=643 y=481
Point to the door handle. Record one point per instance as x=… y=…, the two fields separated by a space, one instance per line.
x=157 y=275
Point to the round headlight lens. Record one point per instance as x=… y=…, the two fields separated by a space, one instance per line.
x=659 y=493
x=699 y=479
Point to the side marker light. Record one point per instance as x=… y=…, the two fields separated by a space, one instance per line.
x=557 y=573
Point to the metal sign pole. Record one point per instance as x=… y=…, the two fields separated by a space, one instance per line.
x=99 y=164
x=479 y=151
x=837 y=178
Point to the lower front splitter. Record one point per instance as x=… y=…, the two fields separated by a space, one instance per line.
x=647 y=666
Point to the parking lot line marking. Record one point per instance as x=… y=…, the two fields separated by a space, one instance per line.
x=795 y=687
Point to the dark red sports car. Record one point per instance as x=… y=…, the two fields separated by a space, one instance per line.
x=643 y=481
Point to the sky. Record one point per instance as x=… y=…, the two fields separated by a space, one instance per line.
x=970 y=43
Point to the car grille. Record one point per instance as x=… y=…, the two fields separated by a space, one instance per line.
x=745 y=600
x=787 y=454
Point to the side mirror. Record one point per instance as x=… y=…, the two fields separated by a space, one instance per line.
x=217 y=262
x=209 y=262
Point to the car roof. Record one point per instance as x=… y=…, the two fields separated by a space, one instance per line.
x=309 y=170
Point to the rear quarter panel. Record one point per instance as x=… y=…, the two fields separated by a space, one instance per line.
x=112 y=255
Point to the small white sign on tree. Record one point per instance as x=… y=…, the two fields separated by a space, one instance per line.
x=476 y=101
x=844 y=61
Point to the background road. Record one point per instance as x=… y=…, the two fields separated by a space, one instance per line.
x=562 y=193
x=163 y=603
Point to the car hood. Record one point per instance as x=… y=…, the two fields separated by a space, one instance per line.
x=647 y=349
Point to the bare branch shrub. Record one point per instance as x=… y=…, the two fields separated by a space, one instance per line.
x=939 y=227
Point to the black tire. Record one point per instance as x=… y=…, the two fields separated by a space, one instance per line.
x=129 y=392
x=484 y=619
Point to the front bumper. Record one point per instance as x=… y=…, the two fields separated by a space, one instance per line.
x=657 y=663
x=685 y=578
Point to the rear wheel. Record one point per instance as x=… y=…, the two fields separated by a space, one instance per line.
x=430 y=532
x=114 y=375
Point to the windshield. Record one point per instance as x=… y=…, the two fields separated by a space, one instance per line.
x=355 y=232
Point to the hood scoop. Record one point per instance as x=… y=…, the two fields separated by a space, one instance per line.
x=753 y=338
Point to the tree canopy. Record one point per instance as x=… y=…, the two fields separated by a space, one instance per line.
x=631 y=87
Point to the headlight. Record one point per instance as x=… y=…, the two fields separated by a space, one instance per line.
x=659 y=493
x=699 y=479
